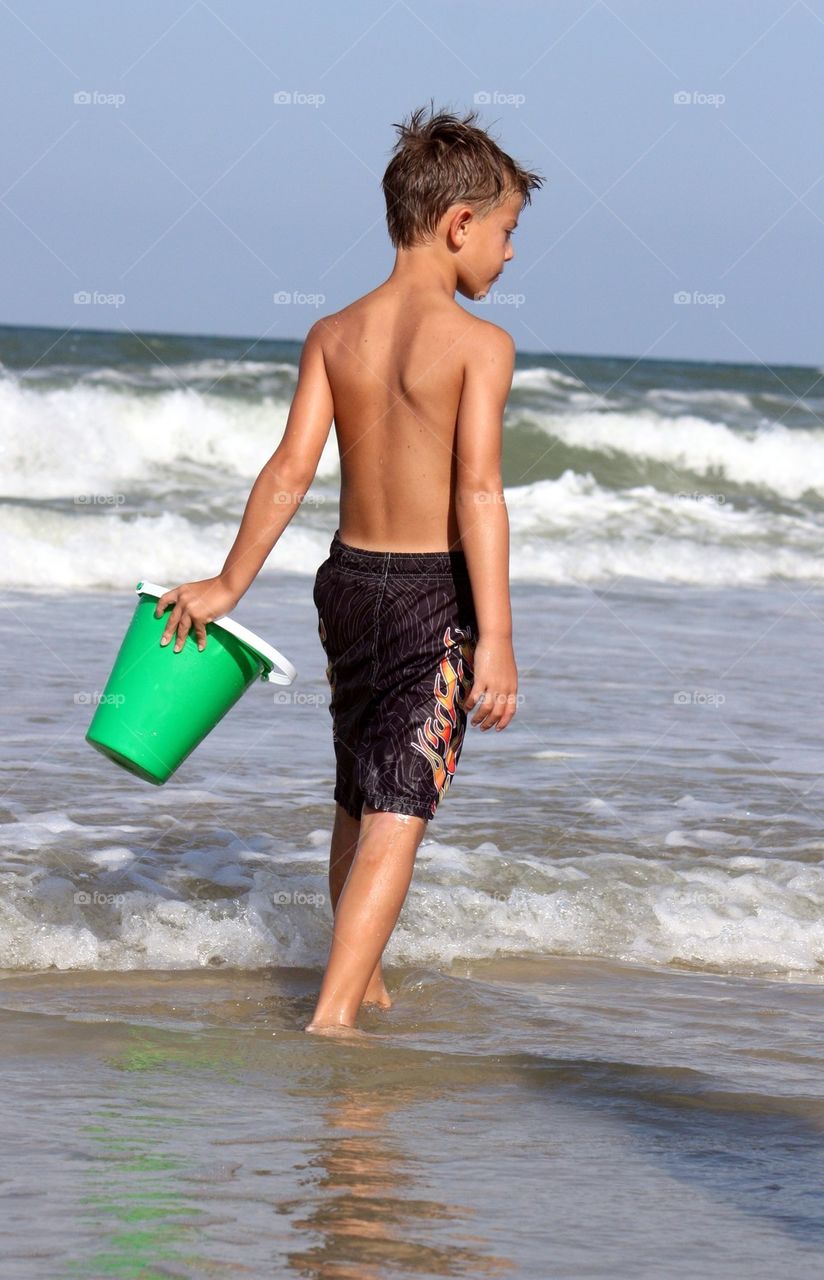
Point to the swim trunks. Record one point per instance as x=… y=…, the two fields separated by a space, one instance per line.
x=399 y=630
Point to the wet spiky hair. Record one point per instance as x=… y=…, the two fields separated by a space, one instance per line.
x=439 y=161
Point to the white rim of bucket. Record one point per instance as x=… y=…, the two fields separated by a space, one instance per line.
x=266 y=651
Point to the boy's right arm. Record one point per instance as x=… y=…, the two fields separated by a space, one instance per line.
x=484 y=525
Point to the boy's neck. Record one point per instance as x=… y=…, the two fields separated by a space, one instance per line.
x=423 y=269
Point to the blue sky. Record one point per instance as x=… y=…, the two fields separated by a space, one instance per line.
x=182 y=197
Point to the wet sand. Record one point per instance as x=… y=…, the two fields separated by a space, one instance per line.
x=526 y=1117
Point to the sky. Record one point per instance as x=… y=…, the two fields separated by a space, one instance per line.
x=201 y=167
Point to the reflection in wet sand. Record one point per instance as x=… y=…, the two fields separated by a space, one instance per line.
x=363 y=1201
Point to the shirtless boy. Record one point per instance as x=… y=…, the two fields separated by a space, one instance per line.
x=413 y=600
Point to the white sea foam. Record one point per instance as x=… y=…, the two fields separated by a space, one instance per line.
x=53 y=551
x=734 y=911
x=91 y=440
x=775 y=459
x=210 y=371
x=716 y=398
x=544 y=379
x=108 y=485
x=563 y=531
x=574 y=530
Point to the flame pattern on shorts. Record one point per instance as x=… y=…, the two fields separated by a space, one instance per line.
x=439 y=739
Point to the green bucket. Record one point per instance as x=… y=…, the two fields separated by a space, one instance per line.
x=158 y=705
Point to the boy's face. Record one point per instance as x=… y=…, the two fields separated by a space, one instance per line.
x=486 y=246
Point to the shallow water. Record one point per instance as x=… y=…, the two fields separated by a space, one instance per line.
x=657 y=798
x=524 y=1117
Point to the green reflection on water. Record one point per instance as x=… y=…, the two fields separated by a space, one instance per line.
x=137 y=1181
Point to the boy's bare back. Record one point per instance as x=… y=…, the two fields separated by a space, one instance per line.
x=396 y=362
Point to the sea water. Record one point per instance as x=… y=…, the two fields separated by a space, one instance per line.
x=604 y=1054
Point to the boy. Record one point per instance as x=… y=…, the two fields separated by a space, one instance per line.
x=413 y=599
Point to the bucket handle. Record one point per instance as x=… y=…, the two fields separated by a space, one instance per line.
x=268 y=652
x=286 y=675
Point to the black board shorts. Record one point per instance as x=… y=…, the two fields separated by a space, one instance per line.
x=399 y=630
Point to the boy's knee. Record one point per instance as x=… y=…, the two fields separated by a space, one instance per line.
x=389 y=817
x=385 y=836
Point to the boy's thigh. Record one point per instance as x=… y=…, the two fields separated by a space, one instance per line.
x=345 y=605
x=346 y=612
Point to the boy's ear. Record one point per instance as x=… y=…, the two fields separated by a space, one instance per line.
x=457 y=227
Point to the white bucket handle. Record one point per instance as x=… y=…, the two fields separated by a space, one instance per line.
x=287 y=672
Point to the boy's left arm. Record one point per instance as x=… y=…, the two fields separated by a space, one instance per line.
x=275 y=497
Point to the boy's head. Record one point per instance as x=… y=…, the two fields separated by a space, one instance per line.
x=443 y=161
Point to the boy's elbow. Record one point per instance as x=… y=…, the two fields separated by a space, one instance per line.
x=301 y=477
x=290 y=472
x=478 y=501
x=469 y=492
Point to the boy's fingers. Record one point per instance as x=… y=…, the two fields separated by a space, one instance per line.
x=492 y=711
x=171 y=625
x=498 y=715
x=478 y=705
x=164 y=601
x=510 y=705
x=184 y=627
x=506 y=718
x=181 y=622
x=485 y=710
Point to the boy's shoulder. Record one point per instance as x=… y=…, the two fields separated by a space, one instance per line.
x=485 y=337
x=334 y=324
x=492 y=336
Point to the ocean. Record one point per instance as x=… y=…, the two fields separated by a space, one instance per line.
x=604 y=1056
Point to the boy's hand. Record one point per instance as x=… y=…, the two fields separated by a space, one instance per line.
x=495 y=684
x=195 y=604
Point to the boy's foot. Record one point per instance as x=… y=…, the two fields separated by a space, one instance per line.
x=377 y=995
x=335 y=1029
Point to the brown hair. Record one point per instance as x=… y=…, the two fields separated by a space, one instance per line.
x=439 y=162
